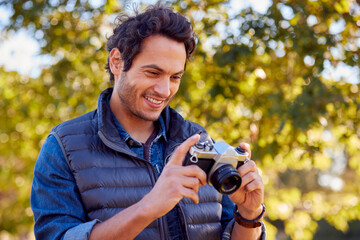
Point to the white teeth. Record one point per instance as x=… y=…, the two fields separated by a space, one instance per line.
x=153 y=100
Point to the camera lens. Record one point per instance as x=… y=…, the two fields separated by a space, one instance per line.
x=226 y=179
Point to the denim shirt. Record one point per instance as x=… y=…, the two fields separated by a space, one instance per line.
x=152 y=150
x=62 y=213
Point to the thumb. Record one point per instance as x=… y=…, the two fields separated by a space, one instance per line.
x=246 y=147
x=180 y=152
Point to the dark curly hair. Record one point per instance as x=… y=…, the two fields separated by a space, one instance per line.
x=131 y=31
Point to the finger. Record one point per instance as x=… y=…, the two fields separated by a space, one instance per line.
x=195 y=171
x=246 y=146
x=189 y=193
x=180 y=152
x=249 y=177
x=254 y=185
x=191 y=182
x=249 y=166
x=187 y=171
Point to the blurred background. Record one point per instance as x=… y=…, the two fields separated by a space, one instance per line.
x=281 y=75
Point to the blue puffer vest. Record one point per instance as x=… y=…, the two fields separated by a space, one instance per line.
x=110 y=177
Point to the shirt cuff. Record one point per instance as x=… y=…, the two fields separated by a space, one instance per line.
x=81 y=231
x=227 y=233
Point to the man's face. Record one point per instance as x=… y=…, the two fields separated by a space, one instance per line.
x=153 y=79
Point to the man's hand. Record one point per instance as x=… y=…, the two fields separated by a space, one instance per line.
x=250 y=195
x=175 y=182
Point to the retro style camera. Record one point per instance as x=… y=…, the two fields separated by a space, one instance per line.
x=219 y=161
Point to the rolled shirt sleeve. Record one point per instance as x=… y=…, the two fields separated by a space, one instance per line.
x=55 y=198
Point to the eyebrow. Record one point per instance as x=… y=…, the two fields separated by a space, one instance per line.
x=160 y=69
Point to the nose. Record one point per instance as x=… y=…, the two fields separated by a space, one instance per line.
x=162 y=87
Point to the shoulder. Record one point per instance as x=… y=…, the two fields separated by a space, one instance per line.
x=86 y=122
x=52 y=159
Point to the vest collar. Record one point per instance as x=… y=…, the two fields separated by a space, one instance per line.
x=107 y=130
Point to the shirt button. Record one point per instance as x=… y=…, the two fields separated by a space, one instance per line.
x=131 y=143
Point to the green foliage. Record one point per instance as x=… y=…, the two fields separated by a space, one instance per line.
x=255 y=78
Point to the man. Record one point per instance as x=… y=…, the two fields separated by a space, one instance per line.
x=116 y=172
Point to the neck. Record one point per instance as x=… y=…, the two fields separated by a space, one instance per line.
x=138 y=128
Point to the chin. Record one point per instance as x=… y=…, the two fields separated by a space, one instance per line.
x=154 y=118
x=150 y=117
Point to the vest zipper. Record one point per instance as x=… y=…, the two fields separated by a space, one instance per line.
x=184 y=221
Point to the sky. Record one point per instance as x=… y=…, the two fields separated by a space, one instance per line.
x=21 y=52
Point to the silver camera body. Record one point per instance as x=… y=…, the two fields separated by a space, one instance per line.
x=219 y=161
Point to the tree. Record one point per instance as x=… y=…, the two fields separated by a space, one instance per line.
x=258 y=77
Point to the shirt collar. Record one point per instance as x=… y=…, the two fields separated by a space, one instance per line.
x=162 y=131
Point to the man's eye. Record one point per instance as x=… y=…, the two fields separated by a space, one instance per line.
x=153 y=73
x=176 y=77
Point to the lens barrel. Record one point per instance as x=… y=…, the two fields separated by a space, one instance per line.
x=226 y=179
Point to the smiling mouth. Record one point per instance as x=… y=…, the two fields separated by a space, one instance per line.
x=153 y=100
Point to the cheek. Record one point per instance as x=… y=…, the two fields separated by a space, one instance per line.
x=174 y=87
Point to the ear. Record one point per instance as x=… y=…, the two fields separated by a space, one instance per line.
x=115 y=61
